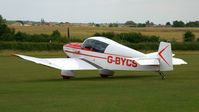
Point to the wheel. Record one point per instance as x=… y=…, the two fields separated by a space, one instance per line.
x=67 y=74
x=104 y=76
x=67 y=77
x=163 y=77
x=106 y=73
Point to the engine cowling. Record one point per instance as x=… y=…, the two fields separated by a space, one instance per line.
x=67 y=74
x=106 y=73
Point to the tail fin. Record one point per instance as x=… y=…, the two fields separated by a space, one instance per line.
x=165 y=56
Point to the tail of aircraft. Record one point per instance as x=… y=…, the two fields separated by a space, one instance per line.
x=165 y=56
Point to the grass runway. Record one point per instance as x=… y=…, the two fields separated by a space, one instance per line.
x=28 y=87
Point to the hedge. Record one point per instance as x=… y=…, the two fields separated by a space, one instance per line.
x=29 y=46
x=175 y=46
x=131 y=37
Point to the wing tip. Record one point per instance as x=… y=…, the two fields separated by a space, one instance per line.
x=13 y=54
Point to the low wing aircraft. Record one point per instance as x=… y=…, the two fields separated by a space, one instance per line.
x=105 y=55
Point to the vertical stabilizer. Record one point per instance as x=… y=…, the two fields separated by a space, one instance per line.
x=165 y=56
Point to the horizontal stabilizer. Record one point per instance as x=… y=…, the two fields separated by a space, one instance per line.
x=177 y=61
x=155 y=61
x=146 y=61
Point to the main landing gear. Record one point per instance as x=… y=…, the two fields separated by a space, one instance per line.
x=67 y=74
x=163 y=75
x=106 y=73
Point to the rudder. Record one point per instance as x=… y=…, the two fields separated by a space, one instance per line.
x=165 y=56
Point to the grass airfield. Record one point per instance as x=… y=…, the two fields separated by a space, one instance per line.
x=28 y=87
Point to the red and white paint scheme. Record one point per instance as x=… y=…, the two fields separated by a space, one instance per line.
x=105 y=55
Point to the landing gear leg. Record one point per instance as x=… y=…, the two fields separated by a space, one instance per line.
x=163 y=76
x=106 y=73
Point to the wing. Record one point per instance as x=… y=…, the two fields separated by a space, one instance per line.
x=61 y=63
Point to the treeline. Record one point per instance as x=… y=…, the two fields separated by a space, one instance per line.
x=24 y=37
x=175 y=46
x=176 y=23
x=55 y=37
x=132 y=37
x=188 y=24
x=30 y=46
x=9 y=34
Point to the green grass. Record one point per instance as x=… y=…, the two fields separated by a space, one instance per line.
x=28 y=87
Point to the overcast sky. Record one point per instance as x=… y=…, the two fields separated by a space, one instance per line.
x=100 y=11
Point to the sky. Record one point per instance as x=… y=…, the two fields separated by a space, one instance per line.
x=101 y=11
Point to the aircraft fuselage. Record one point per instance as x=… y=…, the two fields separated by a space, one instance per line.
x=104 y=60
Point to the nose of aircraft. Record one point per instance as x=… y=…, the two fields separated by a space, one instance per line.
x=73 y=45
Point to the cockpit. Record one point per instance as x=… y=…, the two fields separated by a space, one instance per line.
x=94 y=45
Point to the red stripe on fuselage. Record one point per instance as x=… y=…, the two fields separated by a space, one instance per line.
x=85 y=54
x=85 y=49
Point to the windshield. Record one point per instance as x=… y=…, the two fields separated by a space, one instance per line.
x=95 y=45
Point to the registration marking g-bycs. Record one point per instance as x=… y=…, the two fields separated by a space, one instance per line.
x=121 y=61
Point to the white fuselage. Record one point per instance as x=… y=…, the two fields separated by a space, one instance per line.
x=115 y=57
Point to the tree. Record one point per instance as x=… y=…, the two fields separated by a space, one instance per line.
x=56 y=34
x=141 y=25
x=130 y=23
x=97 y=25
x=192 y=24
x=2 y=21
x=168 y=24
x=20 y=36
x=148 y=23
x=6 y=33
x=189 y=36
x=3 y=26
x=43 y=21
x=109 y=35
x=113 y=25
x=178 y=24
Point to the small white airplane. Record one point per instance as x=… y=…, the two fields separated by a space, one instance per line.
x=105 y=55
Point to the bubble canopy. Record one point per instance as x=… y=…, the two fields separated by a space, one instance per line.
x=95 y=45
